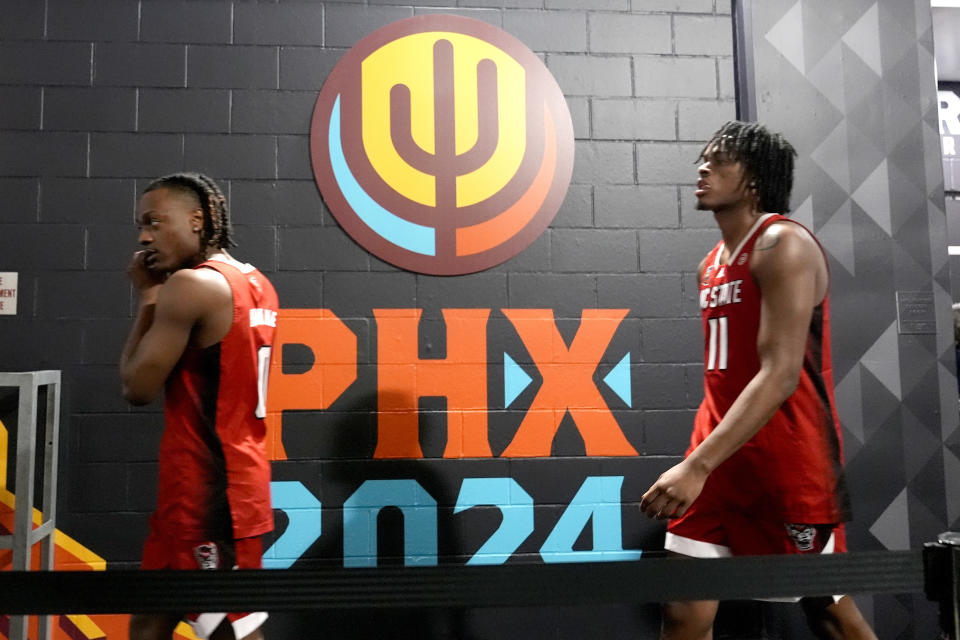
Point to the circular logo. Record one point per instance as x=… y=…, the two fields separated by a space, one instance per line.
x=442 y=144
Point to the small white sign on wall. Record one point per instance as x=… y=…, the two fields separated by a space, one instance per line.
x=8 y=293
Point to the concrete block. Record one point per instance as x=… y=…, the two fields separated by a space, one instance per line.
x=47 y=63
x=647 y=295
x=294 y=158
x=603 y=163
x=109 y=247
x=272 y=111
x=624 y=33
x=666 y=77
x=42 y=153
x=726 y=78
x=667 y=432
x=584 y=75
x=298 y=289
x=577 y=208
x=352 y=294
x=703 y=35
x=21 y=108
x=256 y=244
x=89 y=109
x=564 y=31
x=674 y=6
x=490 y=16
x=633 y=119
x=673 y=251
x=137 y=64
x=88 y=200
x=579 y=108
x=483 y=290
x=129 y=155
x=187 y=22
x=284 y=202
x=698 y=119
x=691 y=287
x=83 y=294
x=346 y=24
x=92 y=20
x=184 y=111
x=568 y=294
x=102 y=432
x=659 y=386
x=307 y=67
x=594 y=250
x=234 y=156
x=20 y=197
x=672 y=340
x=636 y=207
x=589 y=5
x=288 y=23
x=19 y=242
x=232 y=67
x=320 y=249
x=22 y=20
x=535 y=258
x=665 y=163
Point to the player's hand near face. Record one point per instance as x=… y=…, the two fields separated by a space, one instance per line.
x=674 y=491
x=146 y=280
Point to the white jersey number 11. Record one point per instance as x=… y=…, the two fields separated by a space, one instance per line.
x=717 y=349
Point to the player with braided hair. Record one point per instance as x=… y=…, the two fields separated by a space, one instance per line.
x=763 y=472
x=203 y=336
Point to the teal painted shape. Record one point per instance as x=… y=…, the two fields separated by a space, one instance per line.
x=515 y=380
x=303 y=528
x=619 y=380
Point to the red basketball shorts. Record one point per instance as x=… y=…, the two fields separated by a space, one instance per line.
x=164 y=552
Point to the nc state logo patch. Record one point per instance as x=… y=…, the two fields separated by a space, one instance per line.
x=207 y=555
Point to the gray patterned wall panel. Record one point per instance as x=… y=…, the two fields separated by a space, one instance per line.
x=852 y=85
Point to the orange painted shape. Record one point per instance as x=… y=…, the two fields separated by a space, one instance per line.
x=490 y=233
x=403 y=378
x=568 y=384
x=334 y=348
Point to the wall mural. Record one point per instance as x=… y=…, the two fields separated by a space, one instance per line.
x=442 y=144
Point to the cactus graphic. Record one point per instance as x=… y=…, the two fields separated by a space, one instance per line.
x=444 y=163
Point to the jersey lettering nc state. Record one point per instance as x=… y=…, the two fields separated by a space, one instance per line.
x=792 y=468
x=214 y=473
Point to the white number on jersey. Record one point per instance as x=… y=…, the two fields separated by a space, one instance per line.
x=263 y=369
x=717 y=349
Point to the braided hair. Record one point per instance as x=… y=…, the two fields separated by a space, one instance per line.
x=767 y=159
x=217 y=232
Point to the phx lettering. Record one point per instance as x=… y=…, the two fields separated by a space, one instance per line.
x=720 y=295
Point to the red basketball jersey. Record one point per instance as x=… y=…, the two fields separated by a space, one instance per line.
x=214 y=474
x=792 y=468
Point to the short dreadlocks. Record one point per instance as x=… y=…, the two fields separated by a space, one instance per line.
x=767 y=159
x=217 y=231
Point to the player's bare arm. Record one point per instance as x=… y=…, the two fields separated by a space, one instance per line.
x=791 y=274
x=190 y=307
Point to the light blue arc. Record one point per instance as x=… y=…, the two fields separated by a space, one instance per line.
x=619 y=380
x=403 y=233
x=515 y=380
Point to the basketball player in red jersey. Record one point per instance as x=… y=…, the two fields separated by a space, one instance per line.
x=203 y=335
x=763 y=473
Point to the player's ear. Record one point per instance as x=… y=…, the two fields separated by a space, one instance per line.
x=196 y=220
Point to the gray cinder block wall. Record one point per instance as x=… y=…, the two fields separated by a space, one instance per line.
x=99 y=96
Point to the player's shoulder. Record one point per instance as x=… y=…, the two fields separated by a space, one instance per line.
x=787 y=239
x=204 y=287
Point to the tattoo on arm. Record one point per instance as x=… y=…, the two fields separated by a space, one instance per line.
x=767 y=242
